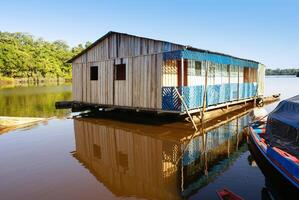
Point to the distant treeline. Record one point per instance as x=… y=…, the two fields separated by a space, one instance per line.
x=24 y=56
x=278 y=71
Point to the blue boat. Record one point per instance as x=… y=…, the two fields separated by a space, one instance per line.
x=274 y=144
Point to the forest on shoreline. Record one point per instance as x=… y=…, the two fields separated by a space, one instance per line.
x=23 y=56
x=277 y=72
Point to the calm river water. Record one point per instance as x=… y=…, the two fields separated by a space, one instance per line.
x=87 y=158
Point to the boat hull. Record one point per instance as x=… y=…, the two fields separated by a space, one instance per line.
x=280 y=184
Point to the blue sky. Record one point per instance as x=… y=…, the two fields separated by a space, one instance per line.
x=262 y=30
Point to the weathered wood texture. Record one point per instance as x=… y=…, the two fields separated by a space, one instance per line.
x=141 y=89
x=123 y=46
x=143 y=59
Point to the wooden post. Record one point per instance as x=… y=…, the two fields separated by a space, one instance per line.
x=182 y=72
x=205 y=92
x=186 y=108
x=238 y=89
x=182 y=175
x=237 y=146
x=229 y=82
x=228 y=144
x=205 y=155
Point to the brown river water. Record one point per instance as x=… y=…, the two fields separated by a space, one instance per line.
x=89 y=158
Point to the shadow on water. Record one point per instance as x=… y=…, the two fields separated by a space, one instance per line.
x=157 y=162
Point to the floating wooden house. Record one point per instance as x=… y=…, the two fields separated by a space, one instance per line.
x=130 y=72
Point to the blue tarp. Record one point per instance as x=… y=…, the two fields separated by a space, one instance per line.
x=212 y=57
x=287 y=112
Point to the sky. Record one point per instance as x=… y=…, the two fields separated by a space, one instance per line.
x=263 y=30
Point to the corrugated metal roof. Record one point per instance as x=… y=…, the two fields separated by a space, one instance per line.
x=208 y=56
x=187 y=47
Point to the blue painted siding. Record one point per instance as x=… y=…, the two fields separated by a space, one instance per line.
x=233 y=91
x=213 y=94
x=216 y=94
x=193 y=97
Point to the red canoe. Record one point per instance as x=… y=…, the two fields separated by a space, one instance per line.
x=225 y=194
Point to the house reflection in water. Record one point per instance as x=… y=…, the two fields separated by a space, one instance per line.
x=145 y=161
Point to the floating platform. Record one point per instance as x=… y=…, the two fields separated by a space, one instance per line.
x=210 y=113
x=11 y=123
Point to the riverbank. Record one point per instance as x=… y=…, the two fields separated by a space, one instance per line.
x=9 y=82
x=6 y=81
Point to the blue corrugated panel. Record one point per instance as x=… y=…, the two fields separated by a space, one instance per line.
x=170 y=100
x=251 y=90
x=224 y=93
x=241 y=91
x=233 y=91
x=192 y=96
x=246 y=90
x=213 y=94
x=201 y=56
x=172 y=55
x=254 y=89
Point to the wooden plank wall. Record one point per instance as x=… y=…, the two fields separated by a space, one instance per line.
x=96 y=91
x=147 y=80
x=143 y=59
x=141 y=89
x=84 y=74
x=123 y=46
x=105 y=86
x=77 y=86
x=123 y=88
x=159 y=65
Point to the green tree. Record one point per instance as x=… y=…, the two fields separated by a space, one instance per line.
x=22 y=55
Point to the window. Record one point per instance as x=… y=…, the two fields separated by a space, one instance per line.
x=120 y=72
x=94 y=73
x=197 y=68
x=194 y=67
x=246 y=75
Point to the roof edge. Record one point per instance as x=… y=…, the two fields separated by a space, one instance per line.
x=187 y=47
x=90 y=46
